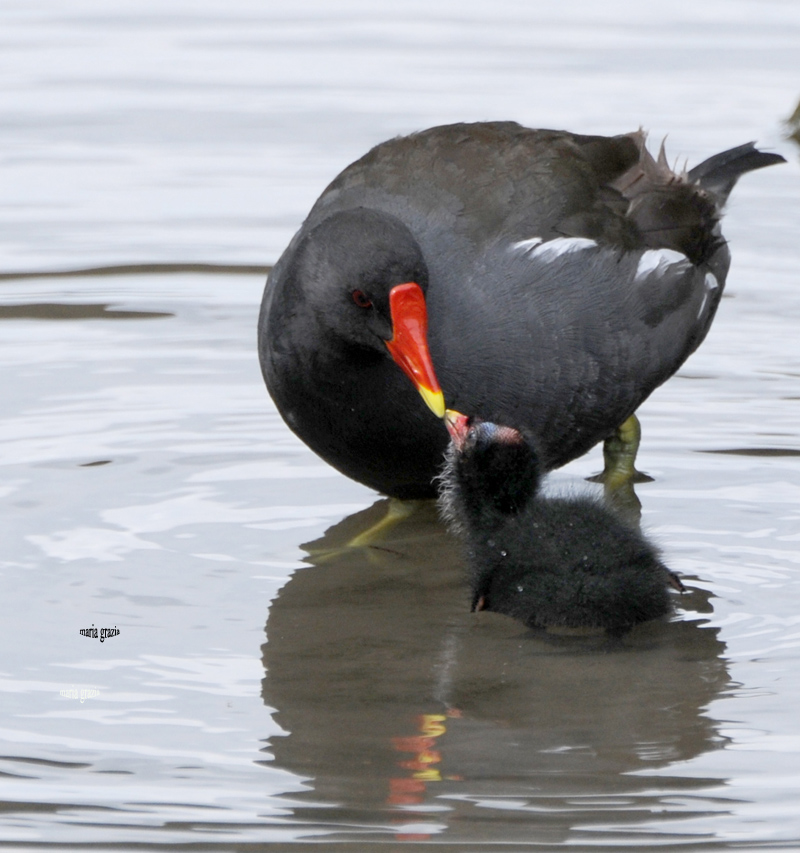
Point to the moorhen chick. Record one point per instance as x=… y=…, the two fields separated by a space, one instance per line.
x=561 y=278
x=564 y=562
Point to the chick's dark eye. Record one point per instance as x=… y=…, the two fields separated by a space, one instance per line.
x=361 y=299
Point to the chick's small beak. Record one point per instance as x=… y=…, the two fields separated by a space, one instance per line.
x=457 y=425
x=409 y=343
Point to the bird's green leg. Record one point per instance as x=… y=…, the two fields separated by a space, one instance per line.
x=619 y=456
x=361 y=536
x=398 y=511
x=372 y=538
x=619 y=472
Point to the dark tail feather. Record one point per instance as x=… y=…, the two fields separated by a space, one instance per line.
x=719 y=173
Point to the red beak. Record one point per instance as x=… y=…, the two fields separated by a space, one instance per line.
x=409 y=343
x=457 y=425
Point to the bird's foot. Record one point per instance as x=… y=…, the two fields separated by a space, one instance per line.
x=397 y=511
x=619 y=456
x=372 y=539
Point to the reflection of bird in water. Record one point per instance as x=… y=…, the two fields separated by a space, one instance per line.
x=362 y=647
x=550 y=562
x=565 y=277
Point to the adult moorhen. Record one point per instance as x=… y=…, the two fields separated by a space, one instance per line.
x=561 y=277
x=550 y=562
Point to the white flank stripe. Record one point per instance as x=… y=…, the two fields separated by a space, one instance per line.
x=658 y=260
x=561 y=246
x=526 y=245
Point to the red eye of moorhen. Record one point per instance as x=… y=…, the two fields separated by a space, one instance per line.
x=361 y=299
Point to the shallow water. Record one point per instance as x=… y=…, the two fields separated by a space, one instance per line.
x=267 y=686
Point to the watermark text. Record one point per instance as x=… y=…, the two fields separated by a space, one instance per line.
x=103 y=633
x=82 y=693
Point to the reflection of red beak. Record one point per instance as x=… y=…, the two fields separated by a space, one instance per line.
x=409 y=343
x=457 y=425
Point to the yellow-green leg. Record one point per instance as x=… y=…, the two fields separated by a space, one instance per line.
x=398 y=511
x=371 y=538
x=619 y=472
x=619 y=456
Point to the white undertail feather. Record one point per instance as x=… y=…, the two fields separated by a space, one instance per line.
x=711 y=284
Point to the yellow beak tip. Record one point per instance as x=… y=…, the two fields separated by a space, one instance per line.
x=434 y=400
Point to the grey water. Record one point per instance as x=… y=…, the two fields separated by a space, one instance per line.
x=258 y=684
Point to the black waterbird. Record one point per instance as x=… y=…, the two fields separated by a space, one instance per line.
x=563 y=562
x=558 y=279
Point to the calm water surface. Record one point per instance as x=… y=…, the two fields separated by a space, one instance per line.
x=269 y=688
